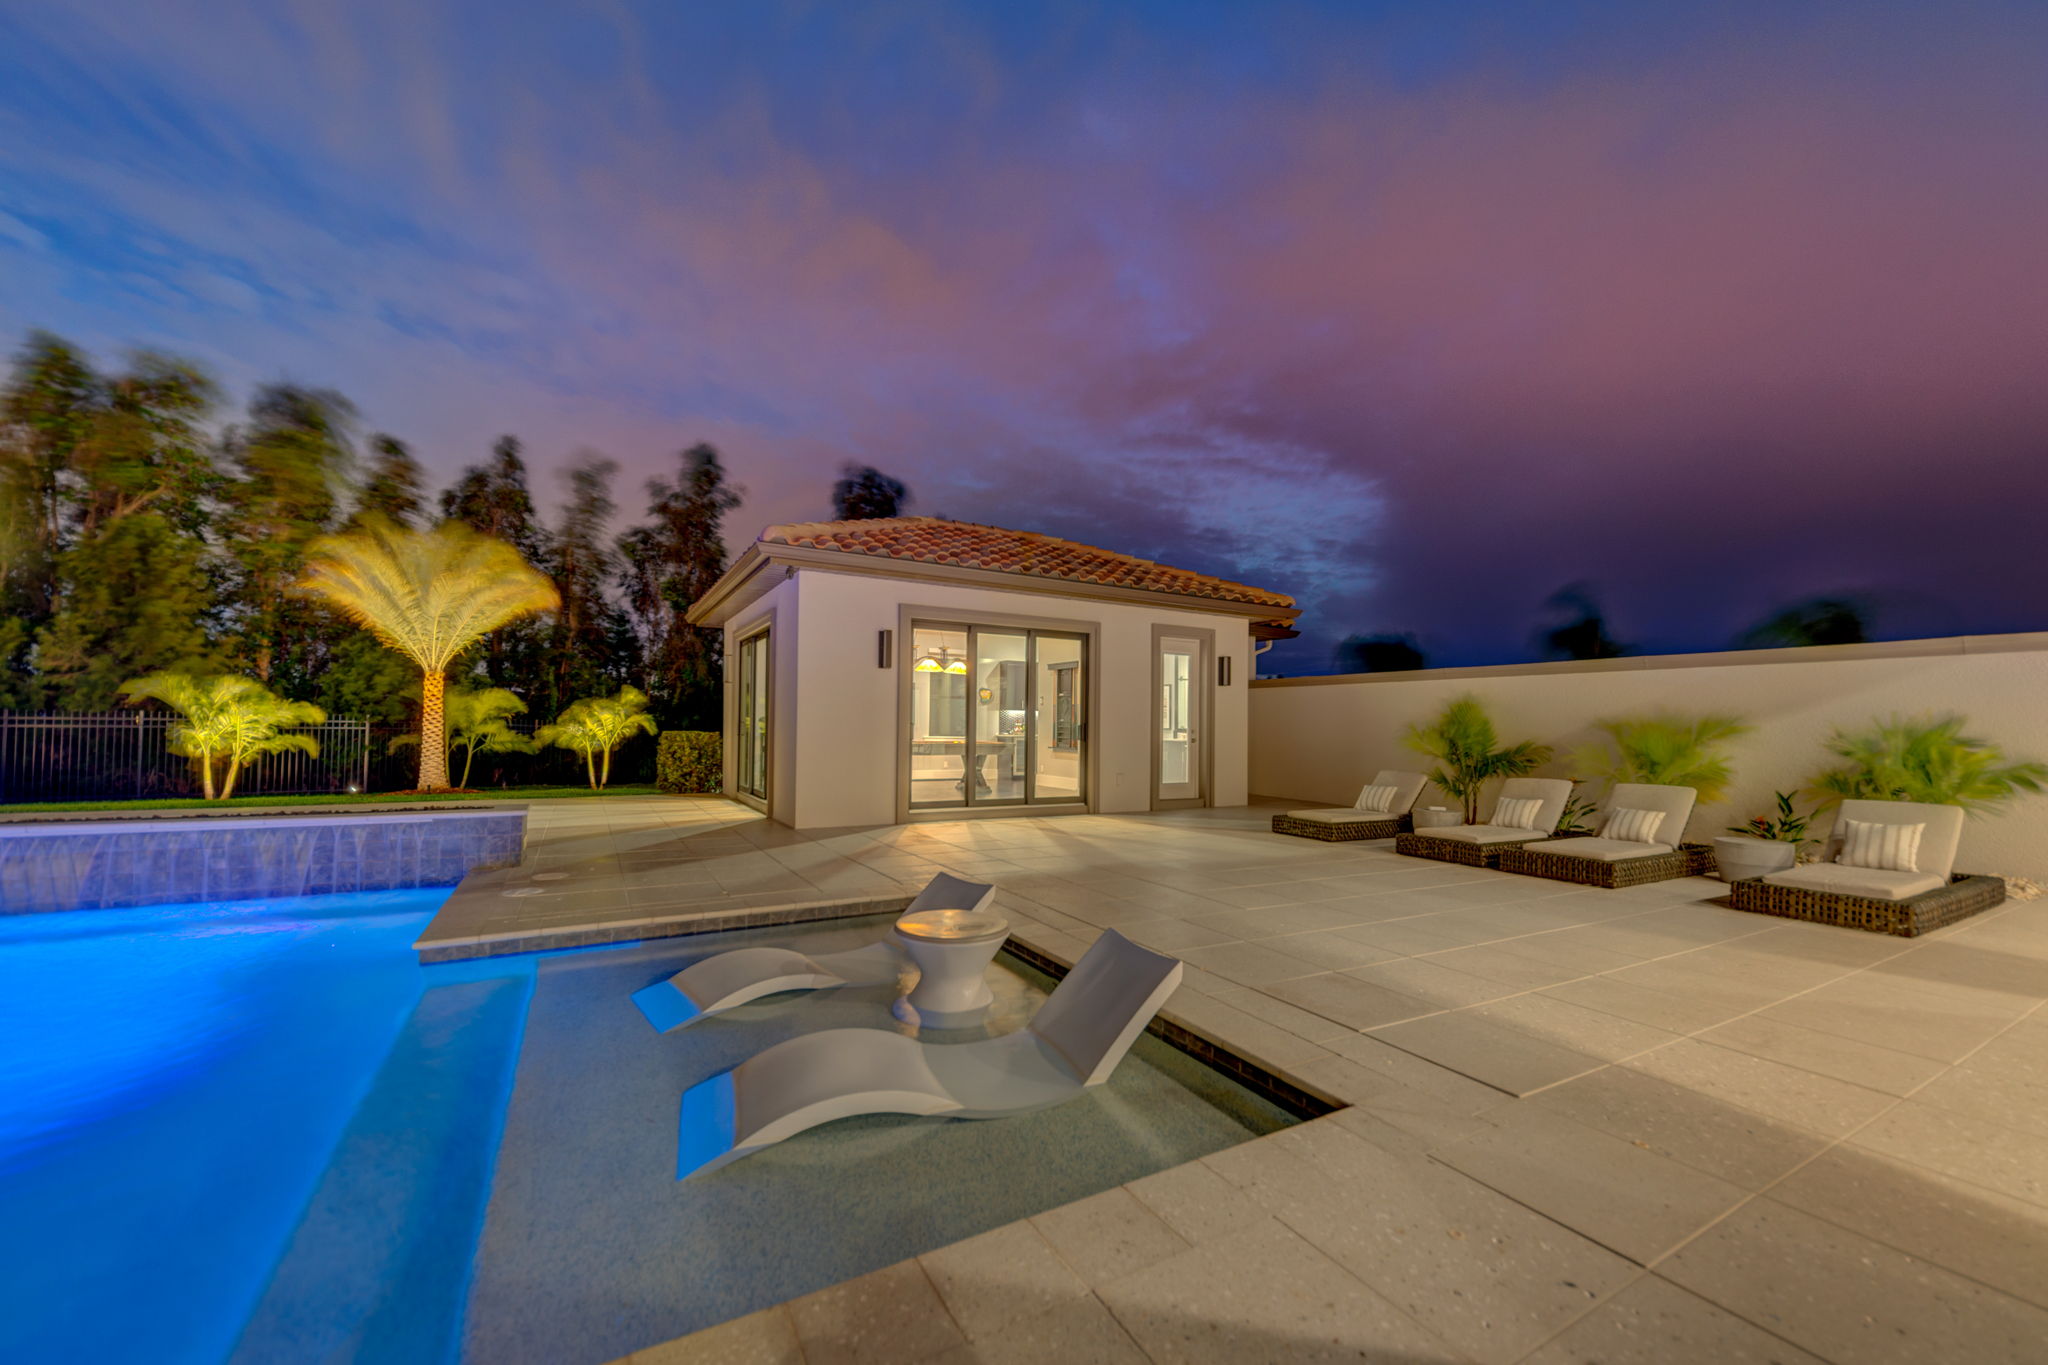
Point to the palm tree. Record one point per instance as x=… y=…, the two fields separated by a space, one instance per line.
x=230 y=717
x=1924 y=759
x=476 y=724
x=428 y=595
x=1665 y=751
x=1468 y=753
x=598 y=725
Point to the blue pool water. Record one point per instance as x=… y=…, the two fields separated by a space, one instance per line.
x=180 y=1085
x=260 y=1132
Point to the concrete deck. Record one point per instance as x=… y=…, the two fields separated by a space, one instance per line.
x=1584 y=1125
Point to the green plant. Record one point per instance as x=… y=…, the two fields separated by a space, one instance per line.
x=599 y=725
x=429 y=595
x=1462 y=741
x=1788 y=826
x=229 y=717
x=1664 y=751
x=691 y=761
x=477 y=723
x=1923 y=759
x=1577 y=815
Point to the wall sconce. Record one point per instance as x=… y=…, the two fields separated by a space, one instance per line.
x=1223 y=663
x=885 y=648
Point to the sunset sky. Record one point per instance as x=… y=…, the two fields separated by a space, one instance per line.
x=1416 y=311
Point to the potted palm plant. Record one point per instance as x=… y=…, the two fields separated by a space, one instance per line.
x=1924 y=759
x=1468 y=754
x=1764 y=844
x=1664 y=751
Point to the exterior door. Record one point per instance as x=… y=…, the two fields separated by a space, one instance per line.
x=996 y=716
x=750 y=765
x=1178 y=720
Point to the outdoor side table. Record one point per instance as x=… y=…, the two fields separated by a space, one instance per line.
x=1436 y=817
x=952 y=950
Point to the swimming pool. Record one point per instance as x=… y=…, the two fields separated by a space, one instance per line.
x=260 y=1131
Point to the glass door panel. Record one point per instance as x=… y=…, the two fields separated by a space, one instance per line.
x=751 y=767
x=938 y=715
x=1002 y=714
x=1059 y=692
x=1178 y=720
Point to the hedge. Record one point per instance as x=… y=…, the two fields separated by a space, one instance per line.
x=690 y=761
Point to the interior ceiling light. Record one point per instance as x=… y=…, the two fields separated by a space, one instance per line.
x=957 y=666
x=926 y=665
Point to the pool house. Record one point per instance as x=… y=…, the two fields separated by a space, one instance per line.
x=913 y=668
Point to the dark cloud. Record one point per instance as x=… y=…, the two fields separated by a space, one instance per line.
x=1418 y=316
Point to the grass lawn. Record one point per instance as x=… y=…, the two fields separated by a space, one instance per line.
x=259 y=802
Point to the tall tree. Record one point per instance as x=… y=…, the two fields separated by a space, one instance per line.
x=583 y=641
x=865 y=493
x=134 y=599
x=670 y=562
x=51 y=398
x=429 y=595
x=394 y=487
x=290 y=465
x=1379 y=654
x=493 y=498
x=1815 y=621
x=1584 y=634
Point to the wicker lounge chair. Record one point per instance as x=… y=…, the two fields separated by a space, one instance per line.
x=1612 y=862
x=1072 y=1044
x=1933 y=894
x=1358 y=820
x=1482 y=845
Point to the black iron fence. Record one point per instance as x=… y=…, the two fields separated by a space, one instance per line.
x=126 y=754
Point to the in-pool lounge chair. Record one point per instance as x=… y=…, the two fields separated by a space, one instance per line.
x=1381 y=811
x=1641 y=838
x=1073 y=1043
x=1894 y=875
x=1514 y=821
x=720 y=982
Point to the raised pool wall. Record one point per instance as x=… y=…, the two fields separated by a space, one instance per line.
x=106 y=864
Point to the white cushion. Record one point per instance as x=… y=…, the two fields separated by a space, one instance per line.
x=1842 y=879
x=1886 y=847
x=1477 y=834
x=1380 y=799
x=1631 y=825
x=1516 y=813
x=1606 y=850
x=1352 y=816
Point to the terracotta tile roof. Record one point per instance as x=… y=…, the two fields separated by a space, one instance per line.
x=964 y=544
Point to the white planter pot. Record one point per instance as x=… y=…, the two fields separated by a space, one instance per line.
x=1740 y=857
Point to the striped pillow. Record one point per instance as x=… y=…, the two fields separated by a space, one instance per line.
x=1632 y=826
x=1519 y=813
x=1376 y=798
x=1891 y=848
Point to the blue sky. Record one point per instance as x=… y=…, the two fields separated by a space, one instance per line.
x=1418 y=312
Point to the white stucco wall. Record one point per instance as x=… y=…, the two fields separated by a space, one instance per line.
x=836 y=735
x=1317 y=740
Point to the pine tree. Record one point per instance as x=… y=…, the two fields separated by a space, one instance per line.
x=670 y=563
x=493 y=498
x=584 y=635
x=134 y=596
x=395 y=487
x=865 y=493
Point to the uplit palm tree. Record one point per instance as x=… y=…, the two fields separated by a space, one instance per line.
x=428 y=595
x=1924 y=759
x=1665 y=751
x=598 y=725
x=230 y=717
x=477 y=724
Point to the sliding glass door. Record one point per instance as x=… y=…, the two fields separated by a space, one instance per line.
x=996 y=716
x=750 y=766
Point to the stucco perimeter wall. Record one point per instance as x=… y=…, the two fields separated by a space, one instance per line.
x=844 y=741
x=1317 y=739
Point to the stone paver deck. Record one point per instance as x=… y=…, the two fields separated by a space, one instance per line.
x=1584 y=1125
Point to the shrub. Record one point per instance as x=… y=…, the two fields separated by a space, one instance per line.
x=1665 y=751
x=1924 y=759
x=689 y=761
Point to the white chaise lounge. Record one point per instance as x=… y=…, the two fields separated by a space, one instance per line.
x=1638 y=840
x=720 y=982
x=1380 y=812
x=1073 y=1043
x=1514 y=821
x=1896 y=875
